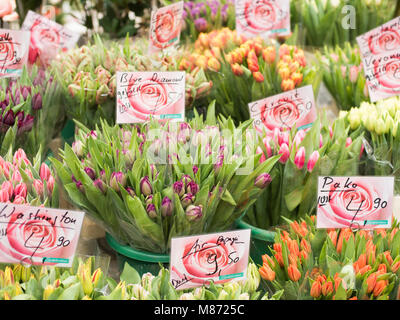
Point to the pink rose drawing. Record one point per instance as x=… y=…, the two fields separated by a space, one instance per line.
x=6 y=52
x=213 y=260
x=352 y=206
x=36 y=234
x=388 y=76
x=387 y=40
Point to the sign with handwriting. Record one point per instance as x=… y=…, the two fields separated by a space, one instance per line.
x=165 y=27
x=380 y=51
x=38 y=235
x=14 y=49
x=145 y=95
x=218 y=257
x=264 y=18
x=355 y=202
x=47 y=38
x=285 y=110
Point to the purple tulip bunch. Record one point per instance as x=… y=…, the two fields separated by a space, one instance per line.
x=207 y=15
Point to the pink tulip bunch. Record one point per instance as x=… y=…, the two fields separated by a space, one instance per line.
x=304 y=155
x=22 y=182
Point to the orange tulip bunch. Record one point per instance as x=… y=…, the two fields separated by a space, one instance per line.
x=338 y=264
x=245 y=70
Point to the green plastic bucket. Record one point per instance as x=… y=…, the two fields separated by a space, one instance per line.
x=259 y=242
x=68 y=132
x=142 y=261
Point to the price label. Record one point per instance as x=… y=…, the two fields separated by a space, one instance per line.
x=219 y=257
x=380 y=51
x=264 y=18
x=14 y=49
x=47 y=38
x=355 y=202
x=285 y=110
x=37 y=235
x=145 y=95
x=165 y=27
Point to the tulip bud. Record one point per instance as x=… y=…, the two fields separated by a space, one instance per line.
x=287 y=85
x=166 y=207
x=37 y=101
x=178 y=188
x=194 y=212
x=263 y=180
x=21 y=190
x=151 y=210
x=379 y=287
x=316 y=289
x=77 y=148
x=258 y=76
x=117 y=178
x=131 y=192
x=7 y=186
x=267 y=273
x=90 y=172
x=312 y=161
x=98 y=183
x=284 y=151
x=269 y=55
x=48 y=291
x=38 y=187
x=145 y=186
x=50 y=184
x=299 y=159
x=293 y=273
x=187 y=199
x=44 y=172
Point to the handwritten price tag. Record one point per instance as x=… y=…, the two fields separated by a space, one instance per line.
x=38 y=236
x=14 y=49
x=355 y=202
x=218 y=257
x=141 y=95
x=380 y=50
x=264 y=18
x=285 y=110
x=165 y=27
x=47 y=38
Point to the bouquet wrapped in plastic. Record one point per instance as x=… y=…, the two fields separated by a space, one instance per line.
x=305 y=155
x=148 y=184
x=380 y=122
x=343 y=75
x=243 y=71
x=31 y=114
x=333 y=264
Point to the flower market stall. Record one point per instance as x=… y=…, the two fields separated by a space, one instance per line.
x=200 y=150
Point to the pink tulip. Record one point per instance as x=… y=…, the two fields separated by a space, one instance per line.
x=300 y=158
x=19 y=200
x=16 y=177
x=20 y=190
x=284 y=151
x=8 y=187
x=348 y=142
x=344 y=70
x=38 y=186
x=45 y=172
x=6 y=8
x=330 y=132
x=260 y=151
x=267 y=145
x=312 y=161
x=353 y=74
x=29 y=173
x=4 y=197
x=362 y=150
x=19 y=156
x=284 y=137
x=50 y=184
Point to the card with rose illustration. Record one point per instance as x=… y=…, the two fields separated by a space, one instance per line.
x=360 y=202
x=37 y=235
x=145 y=95
x=14 y=49
x=219 y=257
x=285 y=110
x=264 y=18
x=165 y=27
x=47 y=37
x=380 y=51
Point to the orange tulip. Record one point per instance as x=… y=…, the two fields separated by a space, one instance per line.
x=321 y=278
x=293 y=273
x=362 y=260
x=292 y=259
x=392 y=233
x=388 y=257
x=381 y=232
x=327 y=288
x=293 y=247
x=237 y=69
x=258 y=76
x=333 y=236
x=287 y=85
x=284 y=50
x=229 y=58
x=379 y=287
x=364 y=269
x=284 y=73
x=257 y=46
x=268 y=260
x=201 y=62
x=297 y=77
x=269 y=54
x=279 y=258
x=267 y=273
x=305 y=245
x=213 y=64
x=395 y=266
x=370 y=251
x=371 y=282
x=237 y=56
x=338 y=281
x=315 y=291
x=253 y=66
x=252 y=57
x=354 y=298
x=303 y=254
x=277 y=247
x=382 y=269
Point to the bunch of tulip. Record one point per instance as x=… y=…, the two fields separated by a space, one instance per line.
x=305 y=155
x=159 y=287
x=22 y=182
x=380 y=121
x=207 y=15
x=334 y=22
x=87 y=76
x=150 y=183
x=80 y=282
x=338 y=264
x=30 y=112
x=248 y=70
x=343 y=75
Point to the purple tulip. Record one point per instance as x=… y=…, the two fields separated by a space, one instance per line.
x=149 y=199
x=116 y=179
x=201 y=24
x=192 y=187
x=195 y=169
x=145 y=186
x=178 y=188
x=186 y=179
x=187 y=200
x=166 y=207
x=131 y=192
x=9 y=118
x=100 y=185
x=28 y=123
x=194 y=212
x=90 y=172
x=37 y=101
x=26 y=91
x=151 y=210
x=262 y=180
